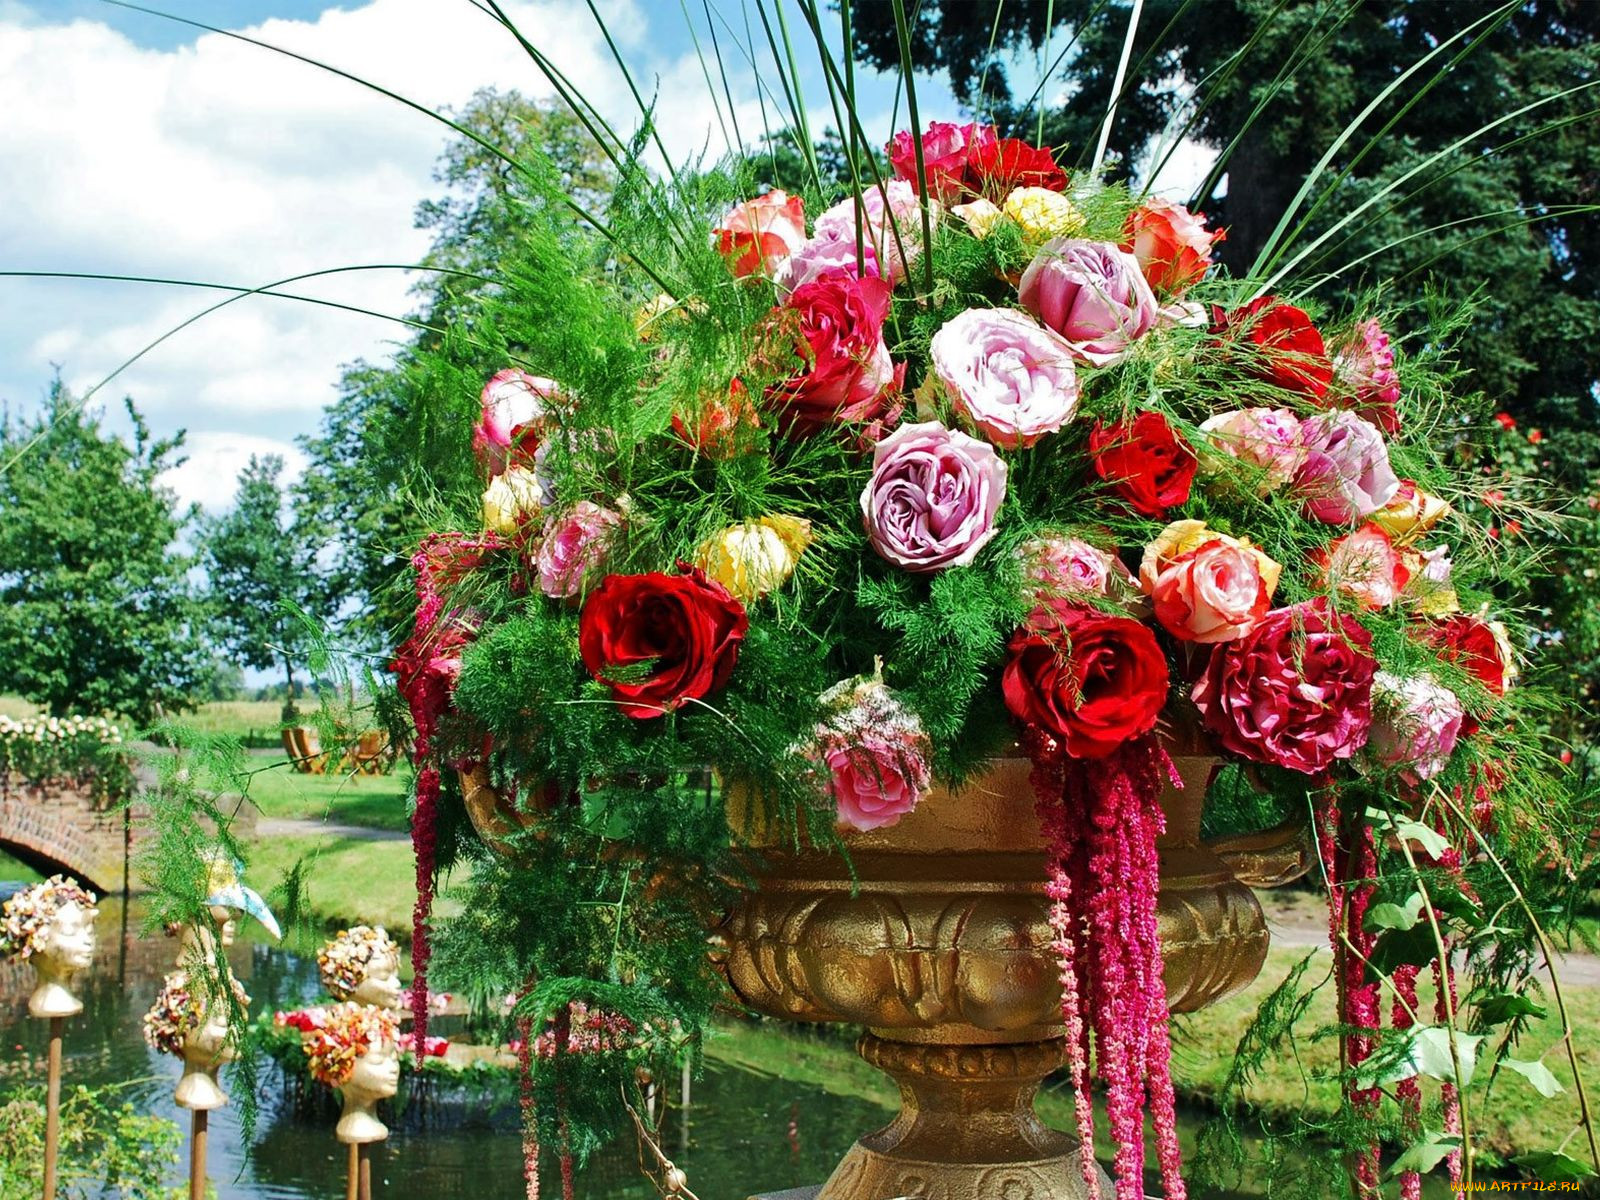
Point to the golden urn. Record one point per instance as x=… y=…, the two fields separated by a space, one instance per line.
x=940 y=947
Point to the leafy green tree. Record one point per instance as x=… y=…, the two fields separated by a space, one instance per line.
x=96 y=610
x=263 y=581
x=397 y=431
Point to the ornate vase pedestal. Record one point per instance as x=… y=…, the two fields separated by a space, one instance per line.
x=940 y=946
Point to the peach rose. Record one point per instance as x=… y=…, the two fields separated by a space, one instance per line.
x=1364 y=565
x=1207 y=587
x=758 y=236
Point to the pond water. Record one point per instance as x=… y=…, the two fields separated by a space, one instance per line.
x=747 y=1127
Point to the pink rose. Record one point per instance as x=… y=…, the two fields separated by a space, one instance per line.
x=838 y=326
x=574 y=546
x=758 y=235
x=1295 y=692
x=1266 y=438
x=1005 y=373
x=1417 y=723
x=1069 y=567
x=932 y=498
x=1364 y=369
x=945 y=151
x=891 y=225
x=1366 y=565
x=1346 y=475
x=875 y=753
x=1207 y=587
x=823 y=254
x=515 y=406
x=1092 y=294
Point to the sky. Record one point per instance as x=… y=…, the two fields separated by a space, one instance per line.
x=134 y=145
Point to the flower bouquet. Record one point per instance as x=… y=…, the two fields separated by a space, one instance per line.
x=822 y=516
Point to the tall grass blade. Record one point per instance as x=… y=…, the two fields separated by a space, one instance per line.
x=799 y=127
x=1116 y=89
x=722 y=73
x=903 y=33
x=705 y=72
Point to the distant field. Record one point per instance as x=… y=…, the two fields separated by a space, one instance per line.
x=376 y=801
x=238 y=718
x=17 y=708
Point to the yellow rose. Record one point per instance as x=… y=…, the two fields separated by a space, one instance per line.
x=1042 y=214
x=753 y=558
x=511 y=501
x=645 y=318
x=980 y=215
x=1180 y=537
x=1410 y=514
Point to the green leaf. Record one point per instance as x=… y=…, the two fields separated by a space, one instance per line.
x=1427 y=1154
x=1500 y=1007
x=1433 y=842
x=1405 y=947
x=1430 y=1052
x=1536 y=1073
x=1552 y=1166
x=1394 y=916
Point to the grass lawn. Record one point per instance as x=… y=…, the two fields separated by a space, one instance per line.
x=373 y=801
x=240 y=718
x=1510 y=1119
x=14 y=870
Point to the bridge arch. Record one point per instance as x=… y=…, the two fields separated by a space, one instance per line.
x=57 y=827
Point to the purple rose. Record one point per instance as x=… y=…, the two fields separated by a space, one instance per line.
x=1268 y=438
x=1007 y=374
x=891 y=225
x=1346 y=475
x=932 y=498
x=574 y=546
x=1092 y=294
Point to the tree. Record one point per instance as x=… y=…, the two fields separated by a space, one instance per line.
x=262 y=577
x=398 y=434
x=96 y=611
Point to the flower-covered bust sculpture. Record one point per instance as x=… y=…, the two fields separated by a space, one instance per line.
x=226 y=895
x=51 y=926
x=356 y=1050
x=185 y=1022
x=362 y=964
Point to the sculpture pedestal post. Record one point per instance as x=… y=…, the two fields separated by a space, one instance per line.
x=352 y=1188
x=52 y=1108
x=199 y=1127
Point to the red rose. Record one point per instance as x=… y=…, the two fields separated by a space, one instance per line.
x=1092 y=680
x=945 y=152
x=1295 y=692
x=720 y=425
x=837 y=323
x=1147 y=464
x=684 y=628
x=996 y=168
x=1290 y=352
x=1478 y=647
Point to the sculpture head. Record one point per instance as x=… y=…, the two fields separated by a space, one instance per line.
x=51 y=926
x=227 y=896
x=362 y=964
x=187 y=1023
x=356 y=1050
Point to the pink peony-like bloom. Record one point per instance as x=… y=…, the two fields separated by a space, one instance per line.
x=1346 y=476
x=1207 y=587
x=758 y=235
x=1092 y=294
x=515 y=406
x=875 y=752
x=1364 y=368
x=932 y=498
x=1070 y=568
x=1171 y=243
x=891 y=225
x=946 y=149
x=1008 y=375
x=1267 y=438
x=1295 y=692
x=1366 y=565
x=573 y=547
x=849 y=377
x=1417 y=723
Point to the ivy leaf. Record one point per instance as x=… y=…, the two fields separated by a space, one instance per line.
x=1427 y=1154
x=1554 y=1166
x=1430 y=1052
x=1500 y=1007
x=1433 y=842
x=1394 y=916
x=1536 y=1073
x=1399 y=947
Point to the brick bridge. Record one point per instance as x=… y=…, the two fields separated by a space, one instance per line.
x=60 y=827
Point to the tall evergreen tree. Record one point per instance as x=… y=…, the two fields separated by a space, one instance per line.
x=96 y=611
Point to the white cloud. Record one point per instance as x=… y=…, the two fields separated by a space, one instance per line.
x=210 y=473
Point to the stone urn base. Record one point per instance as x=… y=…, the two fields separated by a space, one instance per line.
x=939 y=944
